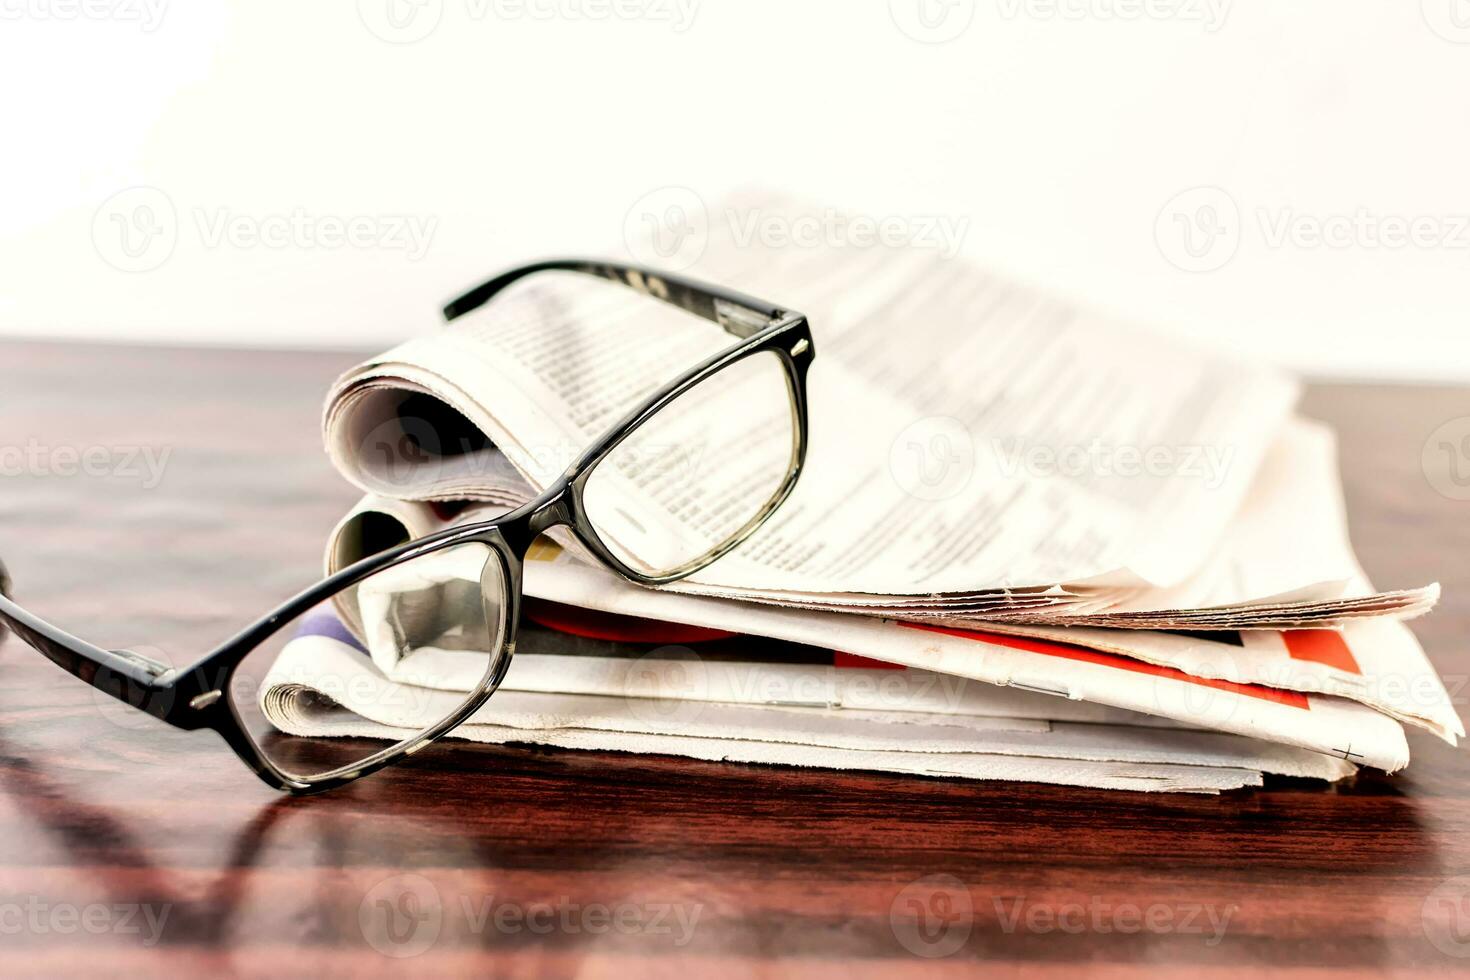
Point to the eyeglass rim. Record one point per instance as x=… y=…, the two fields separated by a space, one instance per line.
x=186 y=699
x=510 y=536
x=553 y=507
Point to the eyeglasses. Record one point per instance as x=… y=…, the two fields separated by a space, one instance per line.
x=460 y=589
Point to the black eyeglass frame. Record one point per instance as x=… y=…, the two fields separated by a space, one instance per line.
x=196 y=697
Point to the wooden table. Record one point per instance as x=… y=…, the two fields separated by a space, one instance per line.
x=556 y=862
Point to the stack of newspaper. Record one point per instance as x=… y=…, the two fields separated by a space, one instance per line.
x=1029 y=543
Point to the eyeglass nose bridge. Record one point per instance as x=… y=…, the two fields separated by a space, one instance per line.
x=553 y=509
x=554 y=512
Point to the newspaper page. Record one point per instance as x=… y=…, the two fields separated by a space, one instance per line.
x=1329 y=725
x=1005 y=534
x=918 y=355
x=321 y=685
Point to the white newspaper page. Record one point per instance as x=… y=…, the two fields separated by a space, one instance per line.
x=967 y=433
x=1329 y=725
x=321 y=686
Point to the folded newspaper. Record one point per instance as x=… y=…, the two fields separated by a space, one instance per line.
x=1029 y=543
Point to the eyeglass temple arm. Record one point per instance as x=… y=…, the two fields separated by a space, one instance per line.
x=739 y=314
x=127 y=676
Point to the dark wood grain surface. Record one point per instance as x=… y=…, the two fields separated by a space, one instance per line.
x=129 y=848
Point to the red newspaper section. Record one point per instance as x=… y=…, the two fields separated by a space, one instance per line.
x=1051 y=649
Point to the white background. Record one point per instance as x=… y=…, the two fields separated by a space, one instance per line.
x=1062 y=133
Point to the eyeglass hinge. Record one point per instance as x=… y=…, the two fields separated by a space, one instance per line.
x=201 y=701
x=741 y=321
x=154 y=667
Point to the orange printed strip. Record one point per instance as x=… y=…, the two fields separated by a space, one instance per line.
x=1051 y=649
x=1325 y=647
